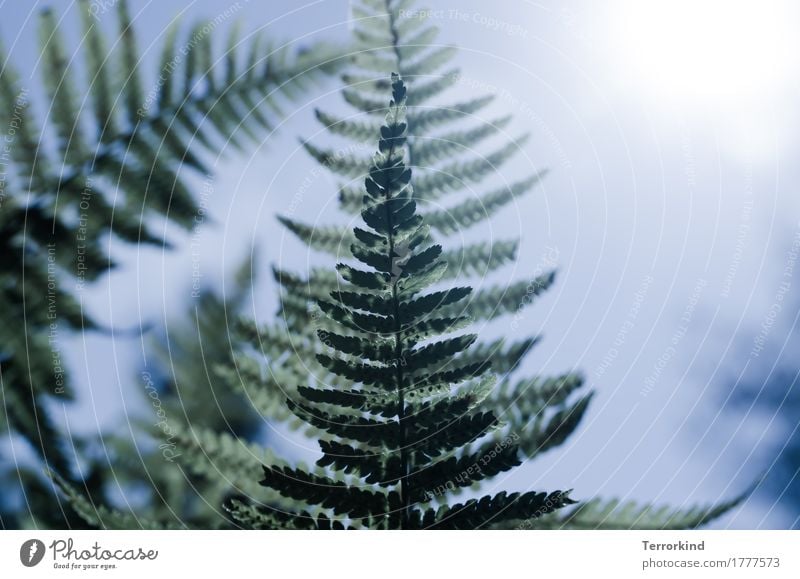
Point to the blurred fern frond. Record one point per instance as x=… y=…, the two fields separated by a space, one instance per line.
x=112 y=155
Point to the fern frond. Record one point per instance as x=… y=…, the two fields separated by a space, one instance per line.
x=121 y=157
x=103 y=517
x=396 y=396
x=447 y=162
x=391 y=419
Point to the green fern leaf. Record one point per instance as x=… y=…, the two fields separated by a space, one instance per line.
x=393 y=417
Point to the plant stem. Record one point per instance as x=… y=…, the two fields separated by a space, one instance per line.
x=405 y=484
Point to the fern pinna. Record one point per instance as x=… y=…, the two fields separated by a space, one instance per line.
x=409 y=420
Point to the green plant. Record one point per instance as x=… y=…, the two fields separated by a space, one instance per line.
x=443 y=149
x=314 y=342
x=410 y=421
x=121 y=160
x=181 y=394
x=407 y=417
x=540 y=413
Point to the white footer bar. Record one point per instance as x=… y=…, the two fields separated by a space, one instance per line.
x=406 y=555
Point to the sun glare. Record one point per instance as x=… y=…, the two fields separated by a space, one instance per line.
x=707 y=50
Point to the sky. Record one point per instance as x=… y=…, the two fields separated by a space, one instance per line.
x=669 y=129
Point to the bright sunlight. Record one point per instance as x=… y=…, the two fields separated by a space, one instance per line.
x=707 y=51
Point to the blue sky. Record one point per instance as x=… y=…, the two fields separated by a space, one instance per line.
x=670 y=204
